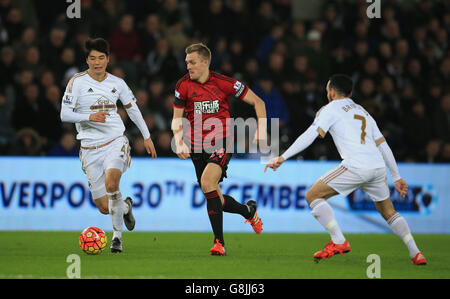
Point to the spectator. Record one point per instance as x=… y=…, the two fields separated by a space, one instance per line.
x=164 y=144
x=162 y=62
x=396 y=61
x=125 y=46
x=6 y=131
x=138 y=148
x=27 y=112
x=14 y=24
x=432 y=151
x=441 y=118
x=28 y=143
x=417 y=130
x=124 y=41
x=275 y=106
x=8 y=66
x=52 y=47
x=296 y=38
x=445 y=153
x=150 y=34
x=67 y=146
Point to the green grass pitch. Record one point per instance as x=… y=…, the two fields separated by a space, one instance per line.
x=249 y=256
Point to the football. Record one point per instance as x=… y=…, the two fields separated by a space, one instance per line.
x=93 y=240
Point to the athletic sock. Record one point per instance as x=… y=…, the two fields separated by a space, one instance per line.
x=215 y=213
x=400 y=227
x=116 y=210
x=125 y=207
x=323 y=212
x=232 y=206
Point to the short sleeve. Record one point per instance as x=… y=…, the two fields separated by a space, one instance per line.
x=126 y=96
x=180 y=93
x=231 y=86
x=324 y=120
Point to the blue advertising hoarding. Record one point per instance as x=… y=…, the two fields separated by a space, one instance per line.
x=44 y=193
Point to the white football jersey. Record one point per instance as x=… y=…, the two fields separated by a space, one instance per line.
x=354 y=133
x=86 y=96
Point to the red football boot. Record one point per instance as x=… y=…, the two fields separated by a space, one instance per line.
x=331 y=249
x=217 y=249
x=255 y=221
x=419 y=260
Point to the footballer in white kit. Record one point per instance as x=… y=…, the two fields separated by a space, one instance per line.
x=365 y=154
x=90 y=101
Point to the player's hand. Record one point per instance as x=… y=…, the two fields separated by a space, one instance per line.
x=401 y=186
x=182 y=150
x=98 y=116
x=149 y=147
x=274 y=163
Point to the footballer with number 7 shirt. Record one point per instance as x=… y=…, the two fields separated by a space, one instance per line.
x=90 y=102
x=365 y=153
x=204 y=95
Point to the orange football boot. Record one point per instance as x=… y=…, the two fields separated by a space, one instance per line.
x=255 y=221
x=419 y=260
x=217 y=249
x=331 y=249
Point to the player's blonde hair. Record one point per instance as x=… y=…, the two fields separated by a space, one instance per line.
x=203 y=51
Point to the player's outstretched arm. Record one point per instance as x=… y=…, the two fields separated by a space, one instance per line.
x=136 y=116
x=182 y=150
x=400 y=185
x=260 y=109
x=300 y=144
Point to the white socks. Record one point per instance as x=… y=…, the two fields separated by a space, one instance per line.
x=323 y=212
x=400 y=228
x=117 y=208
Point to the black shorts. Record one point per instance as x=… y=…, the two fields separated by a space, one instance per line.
x=219 y=157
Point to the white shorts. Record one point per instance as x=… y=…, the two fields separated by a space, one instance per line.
x=95 y=162
x=371 y=181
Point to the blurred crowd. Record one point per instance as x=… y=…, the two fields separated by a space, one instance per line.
x=400 y=64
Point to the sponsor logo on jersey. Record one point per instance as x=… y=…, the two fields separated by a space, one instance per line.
x=211 y=106
x=103 y=104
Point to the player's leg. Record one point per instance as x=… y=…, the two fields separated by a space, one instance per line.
x=317 y=197
x=116 y=206
x=92 y=166
x=336 y=181
x=209 y=182
x=102 y=204
x=398 y=225
x=117 y=160
x=378 y=191
x=230 y=205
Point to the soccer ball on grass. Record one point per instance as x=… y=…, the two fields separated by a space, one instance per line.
x=93 y=240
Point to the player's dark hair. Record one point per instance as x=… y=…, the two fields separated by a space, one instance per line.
x=97 y=44
x=343 y=84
